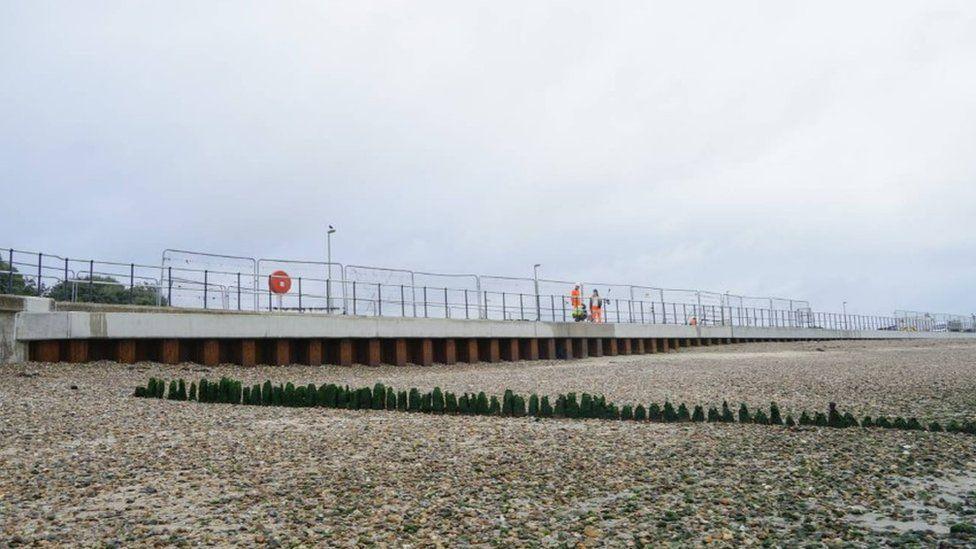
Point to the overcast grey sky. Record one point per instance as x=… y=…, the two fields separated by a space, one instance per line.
x=822 y=150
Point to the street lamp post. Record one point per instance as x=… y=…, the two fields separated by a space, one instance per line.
x=846 y=324
x=535 y=276
x=328 y=265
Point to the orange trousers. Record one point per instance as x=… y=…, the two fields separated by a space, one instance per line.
x=596 y=314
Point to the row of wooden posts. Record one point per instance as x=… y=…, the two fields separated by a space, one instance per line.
x=348 y=351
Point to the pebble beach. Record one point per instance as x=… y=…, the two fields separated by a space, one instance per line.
x=82 y=462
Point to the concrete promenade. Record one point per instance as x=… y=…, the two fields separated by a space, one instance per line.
x=42 y=330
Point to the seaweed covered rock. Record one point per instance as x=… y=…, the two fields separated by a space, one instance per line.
x=640 y=414
x=545 y=409
x=668 y=414
x=713 y=415
x=654 y=412
x=744 y=416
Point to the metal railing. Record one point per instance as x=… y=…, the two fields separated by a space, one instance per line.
x=372 y=291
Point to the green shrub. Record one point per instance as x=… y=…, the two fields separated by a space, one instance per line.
x=278 y=395
x=699 y=414
x=402 y=401
x=683 y=413
x=267 y=393
x=172 y=394
x=805 y=419
x=789 y=421
x=867 y=422
x=882 y=422
x=140 y=391
x=464 y=405
x=850 y=420
x=900 y=423
x=160 y=388
x=495 y=408
x=247 y=396
x=713 y=415
x=301 y=396
x=654 y=412
x=427 y=403
x=311 y=395
x=668 y=414
x=744 y=416
x=914 y=425
x=820 y=420
x=545 y=409
x=953 y=427
x=450 y=403
x=774 y=415
x=640 y=414
x=627 y=412
x=727 y=416
x=391 y=399
x=203 y=392
x=181 y=390
x=935 y=427
x=256 y=394
x=193 y=391
x=534 y=405
x=610 y=411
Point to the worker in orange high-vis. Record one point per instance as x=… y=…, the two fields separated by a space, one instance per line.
x=575 y=298
x=596 y=307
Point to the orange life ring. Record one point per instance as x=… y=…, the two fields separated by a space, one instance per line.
x=279 y=282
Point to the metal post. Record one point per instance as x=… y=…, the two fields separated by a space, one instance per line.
x=447 y=307
x=552 y=306
x=425 y=301
x=486 y=304
x=132 y=280
x=204 y=288
x=328 y=296
x=10 y=272
x=299 y=294
x=238 y=291
x=467 y=315
x=169 y=290
x=503 y=306
x=66 y=274
x=521 y=309
x=379 y=299
x=538 y=310
x=91 y=280
x=403 y=302
x=269 y=293
x=563 y=300
x=40 y=260
x=353 y=298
